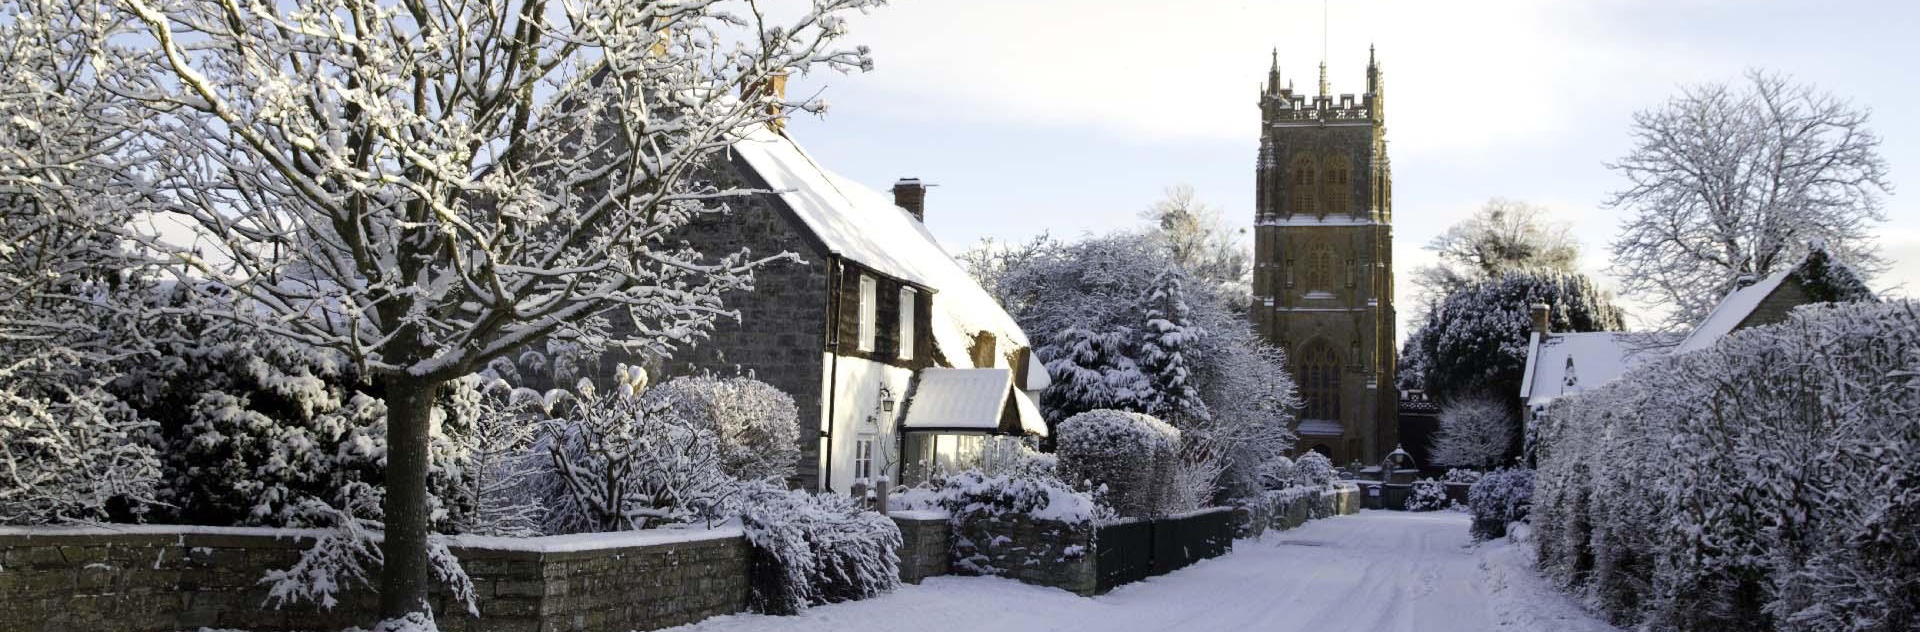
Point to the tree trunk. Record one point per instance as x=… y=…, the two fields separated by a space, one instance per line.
x=405 y=577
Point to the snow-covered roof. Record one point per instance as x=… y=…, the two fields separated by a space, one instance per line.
x=863 y=225
x=969 y=399
x=1569 y=363
x=1320 y=428
x=1732 y=310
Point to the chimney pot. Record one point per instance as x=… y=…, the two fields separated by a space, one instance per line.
x=1539 y=313
x=911 y=194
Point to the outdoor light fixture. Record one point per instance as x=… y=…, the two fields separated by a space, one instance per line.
x=886 y=399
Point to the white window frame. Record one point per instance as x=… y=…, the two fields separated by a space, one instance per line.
x=863 y=456
x=907 y=298
x=869 y=312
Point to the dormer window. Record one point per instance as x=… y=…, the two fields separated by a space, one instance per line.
x=869 y=312
x=907 y=296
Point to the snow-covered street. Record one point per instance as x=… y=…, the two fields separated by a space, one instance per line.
x=1379 y=571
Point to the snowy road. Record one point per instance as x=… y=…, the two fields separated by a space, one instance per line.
x=1379 y=571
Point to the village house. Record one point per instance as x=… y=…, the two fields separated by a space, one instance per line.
x=1560 y=364
x=899 y=362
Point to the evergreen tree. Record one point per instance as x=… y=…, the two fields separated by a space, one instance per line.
x=1165 y=341
x=1474 y=342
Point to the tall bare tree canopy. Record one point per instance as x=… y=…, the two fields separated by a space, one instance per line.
x=1503 y=236
x=1733 y=180
x=1202 y=244
x=424 y=185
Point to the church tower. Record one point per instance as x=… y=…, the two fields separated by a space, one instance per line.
x=1323 y=260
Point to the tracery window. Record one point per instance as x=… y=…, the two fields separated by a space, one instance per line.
x=1302 y=185
x=1320 y=269
x=1319 y=375
x=1338 y=191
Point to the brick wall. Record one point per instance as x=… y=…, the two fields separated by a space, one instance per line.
x=925 y=538
x=152 y=579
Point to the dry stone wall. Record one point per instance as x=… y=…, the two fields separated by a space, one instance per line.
x=145 y=579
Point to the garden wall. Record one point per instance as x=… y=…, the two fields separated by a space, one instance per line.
x=1034 y=551
x=925 y=538
x=161 y=579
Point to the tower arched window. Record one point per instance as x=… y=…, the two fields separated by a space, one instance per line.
x=1339 y=192
x=1301 y=185
x=1318 y=370
x=1320 y=269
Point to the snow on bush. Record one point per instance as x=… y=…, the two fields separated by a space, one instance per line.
x=1461 y=475
x=1765 y=482
x=1314 y=469
x=621 y=462
x=815 y=549
x=70 y=453
x=1132 y=456
x=972 y=494
x=1427 y=495
x=1475 y=431
x=757 y=425
x=1502 y=496
x=1279 y=473
x=1002 y=455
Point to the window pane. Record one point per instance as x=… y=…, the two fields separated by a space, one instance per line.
x=869 y=311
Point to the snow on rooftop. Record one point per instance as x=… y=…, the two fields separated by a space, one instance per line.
x=1732 y=310
x=1570 y=363
x=959 y=398
x=864 y=226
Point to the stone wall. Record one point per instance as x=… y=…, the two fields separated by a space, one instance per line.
x=925 y=539
x=1039 y=552
x=161 y=579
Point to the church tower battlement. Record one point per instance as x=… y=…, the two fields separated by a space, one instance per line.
x=1323 y=260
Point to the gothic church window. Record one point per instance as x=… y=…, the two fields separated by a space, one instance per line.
x=1302 y=185
x=1319 y=375
x=1320 y=269
x=1338 y=192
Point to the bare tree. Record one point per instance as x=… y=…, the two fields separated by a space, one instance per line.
x=1503 y=236
x=426 y=185
x=1201 y=242
x=1728 y=181
x=1474 y=432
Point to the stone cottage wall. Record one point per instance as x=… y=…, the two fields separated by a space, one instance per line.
x=157 y=579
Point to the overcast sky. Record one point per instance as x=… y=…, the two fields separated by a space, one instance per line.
x=1070 y=116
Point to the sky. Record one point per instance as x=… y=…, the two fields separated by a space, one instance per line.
x=1072 y=116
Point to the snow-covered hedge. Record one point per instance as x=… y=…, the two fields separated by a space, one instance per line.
x=971 y=493
x=1500 y=497
x=1427 y=495
x=815 y=549
x=1131 y=455
x=757 y=425
x=1314 y=469
x=1766 y=482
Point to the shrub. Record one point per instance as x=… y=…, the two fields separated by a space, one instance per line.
x=1458 y=475
x=71 y=454
x=756 y=424
x=1279 y=473
x=973 y=493
x=1314 y=469
x=620 y=463
x=1427 y=495
x=816 y=549
x=1764 y=482
x=1500 y=497
x=1132 y=456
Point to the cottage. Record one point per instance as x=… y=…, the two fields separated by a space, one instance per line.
x=1568 y=363
x=899 y=362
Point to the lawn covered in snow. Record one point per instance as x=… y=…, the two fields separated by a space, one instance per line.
x=1379 y=571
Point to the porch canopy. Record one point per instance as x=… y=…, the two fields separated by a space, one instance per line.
x=971 y=400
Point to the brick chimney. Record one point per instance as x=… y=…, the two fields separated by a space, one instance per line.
x=1539 y=313
x=910 y=194
x=775 y=86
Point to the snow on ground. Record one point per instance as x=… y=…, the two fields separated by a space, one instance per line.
x=1379 y=571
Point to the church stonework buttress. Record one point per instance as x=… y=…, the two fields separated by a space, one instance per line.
x=1323 y=261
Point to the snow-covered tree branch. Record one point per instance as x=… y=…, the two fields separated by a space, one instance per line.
x=1727 y=181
